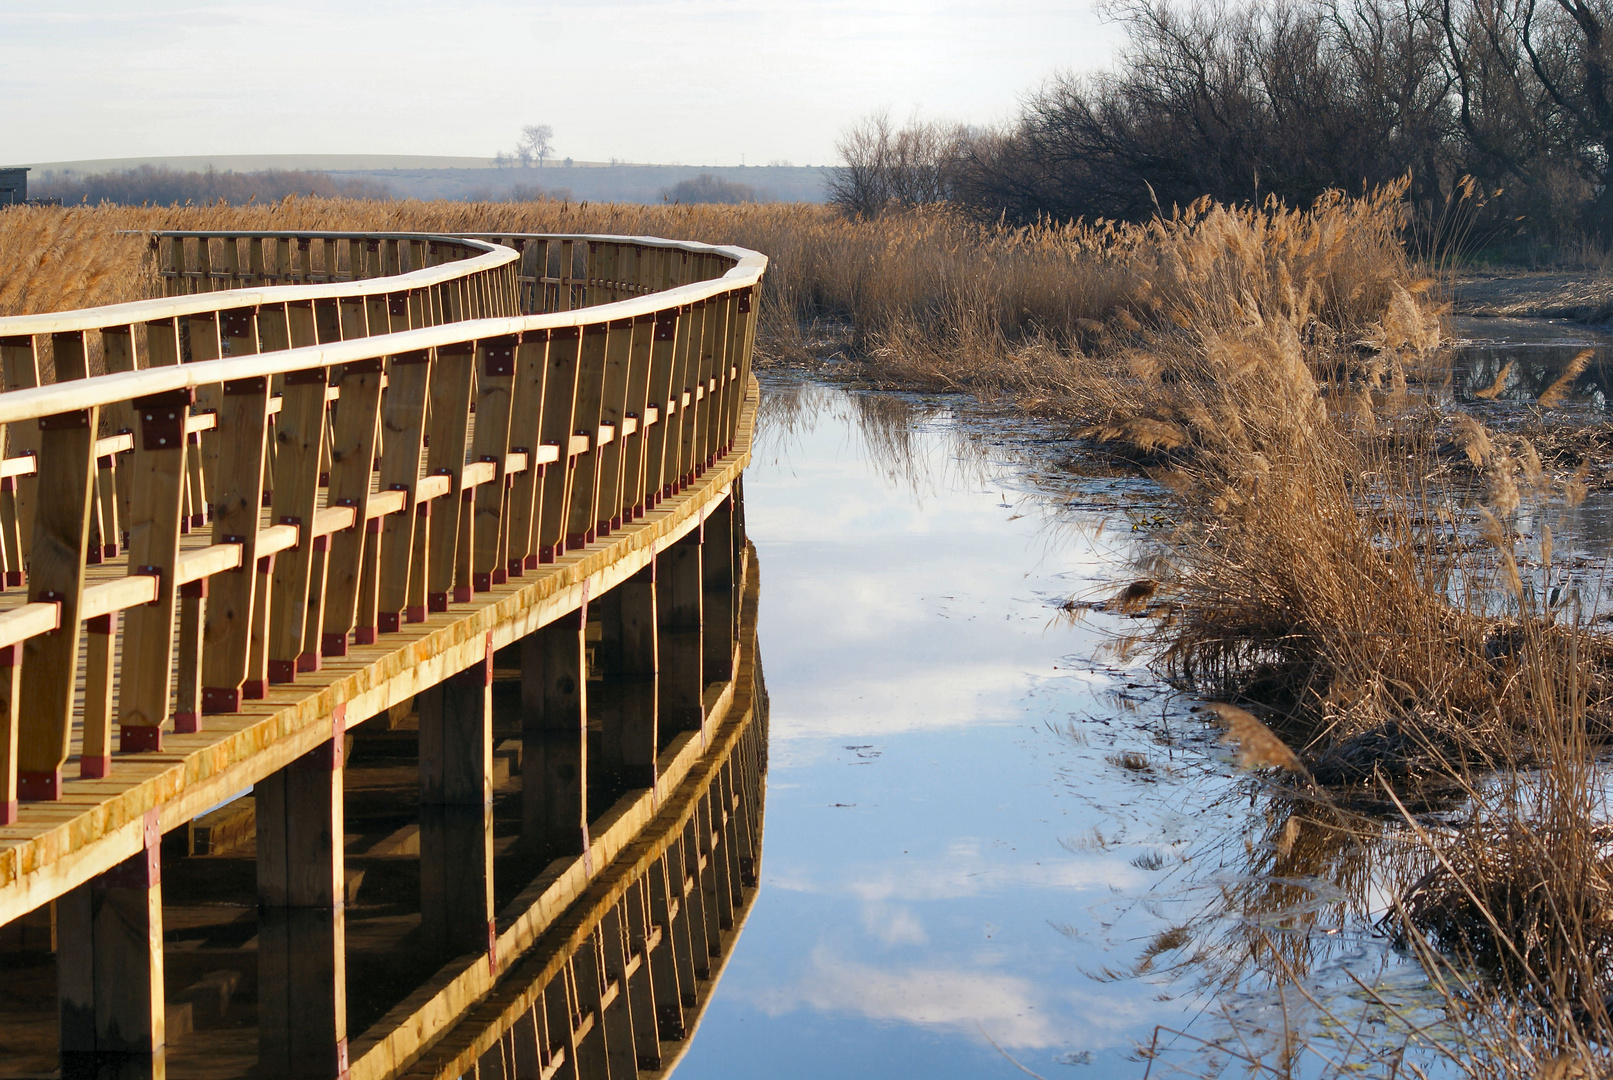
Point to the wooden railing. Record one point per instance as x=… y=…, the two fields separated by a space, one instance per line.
x=373 y=436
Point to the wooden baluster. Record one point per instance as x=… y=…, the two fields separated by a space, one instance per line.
x=526 y=422
x=233 y=609
x=731 y=837
x=613 y=410
x=188 y=675
x=100 y=634
x=257 y=273
x=352 y=462
x=204 y=265
x=10 y=728
x=404 y=418
x=716 y=435
x=56 y=573
x=494 y=404
x=232 y=263
x=569 y=299
x=71 y=362
x=660 y=452
x=118 y=354
x=688 y=361
x=449 y=423
x=583 y=512
x=742 y=337
x=646 y=1022
x=157 y=475
x=299 y=438
x=299 y=443
x=712 y=340
x=670 y=967
x=21 y=364
x=559 y=406
x=554 y=737
x=689 y=875
x=594 y=1055
x=632 y=491
x=206 y=343
x=593 y=290
x=560 y=1031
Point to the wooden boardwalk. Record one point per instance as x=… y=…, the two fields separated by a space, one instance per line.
x=344 y=479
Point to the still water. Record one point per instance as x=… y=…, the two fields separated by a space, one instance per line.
x=993 y=838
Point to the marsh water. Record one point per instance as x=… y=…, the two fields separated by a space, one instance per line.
x=994 y=839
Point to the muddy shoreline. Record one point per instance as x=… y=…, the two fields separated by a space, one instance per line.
x=1581 y=295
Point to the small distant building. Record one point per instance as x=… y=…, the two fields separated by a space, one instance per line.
x=13 y=186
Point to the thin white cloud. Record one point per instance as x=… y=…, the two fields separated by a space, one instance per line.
x=1006 y=1006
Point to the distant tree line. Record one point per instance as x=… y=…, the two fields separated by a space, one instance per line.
x=167 y=187
x=707 y=188
x=1292 y=98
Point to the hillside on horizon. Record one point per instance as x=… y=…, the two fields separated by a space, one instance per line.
x=471 y=179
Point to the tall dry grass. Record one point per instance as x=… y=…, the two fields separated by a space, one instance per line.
x=1329 y=565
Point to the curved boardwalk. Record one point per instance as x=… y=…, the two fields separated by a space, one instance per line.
x=436 y=535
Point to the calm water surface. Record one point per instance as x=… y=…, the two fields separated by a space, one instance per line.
x=959 y=851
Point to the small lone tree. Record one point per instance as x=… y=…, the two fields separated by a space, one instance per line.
x=535 y=144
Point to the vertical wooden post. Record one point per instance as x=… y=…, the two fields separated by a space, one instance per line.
x=21 y=372
x=299 y=433
x=302 y=952
x=10 y=699
x=526 y=423
x=456 y=813
x=188 y=649
x=494 y=391
x=109 y=969
x=559 y=404
x=554 y=738
x=690 y=331
x=612 y=411
x=352 y=456
x=403 y=419
x=631 y=490
x=665 y=395
x=679 y=594
x=156 y=492
x=623 y=705
x=642 y=987
x=232 y=608
x=586 y=414
x=445 y=456
x=56 y=573
x=668 y=966
x=95 y=759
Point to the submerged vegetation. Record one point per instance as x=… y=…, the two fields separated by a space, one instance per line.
x=1342 y=559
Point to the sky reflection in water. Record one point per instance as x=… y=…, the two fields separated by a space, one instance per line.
x=949 y=852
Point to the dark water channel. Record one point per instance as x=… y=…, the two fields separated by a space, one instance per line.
x=991 y=832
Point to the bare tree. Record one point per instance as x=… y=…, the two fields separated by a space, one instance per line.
x=887 y=166
x=535 y=144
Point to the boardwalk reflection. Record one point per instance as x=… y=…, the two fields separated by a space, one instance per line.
x=612 y=985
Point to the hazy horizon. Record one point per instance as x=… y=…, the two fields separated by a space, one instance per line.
x=697 y=82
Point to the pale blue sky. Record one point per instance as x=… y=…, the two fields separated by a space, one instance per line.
x=690 y=81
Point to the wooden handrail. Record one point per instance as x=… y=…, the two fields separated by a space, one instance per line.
x=586 y=417
x=143 y=311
